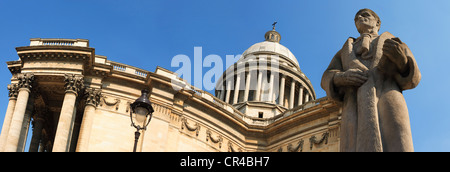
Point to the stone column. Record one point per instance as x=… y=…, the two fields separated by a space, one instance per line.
x=13 y=91
x=37 y=131
x=307 y=98
x=292 y=94
x=236 y=89
x=281 y=97
x=258 y=87
x=271 y=99
x=26 y=124
x=14 y=133
x=221 y=94
x=247 y=86
x=73 y=84
x=92 y=97
x=300 y=95
x=227 y=96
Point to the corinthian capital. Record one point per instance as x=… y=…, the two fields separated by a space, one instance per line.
x=73 y=83
x=25 y=80
x=13 y=90
x=92 y=96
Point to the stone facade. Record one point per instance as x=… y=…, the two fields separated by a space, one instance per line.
x=80 y=101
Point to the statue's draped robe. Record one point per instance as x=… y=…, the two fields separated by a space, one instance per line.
x=374 y=115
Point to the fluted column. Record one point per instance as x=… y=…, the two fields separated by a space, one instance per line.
x=14 y=133
x=73 y=84
x=281 y=97
x=13 y=91
x=92 y=97
x=300 y=96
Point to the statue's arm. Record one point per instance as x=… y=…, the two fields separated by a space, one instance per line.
x=409 y=77
x=327 y=82
x=408 y=74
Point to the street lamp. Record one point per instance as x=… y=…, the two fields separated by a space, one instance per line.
x=140 y=110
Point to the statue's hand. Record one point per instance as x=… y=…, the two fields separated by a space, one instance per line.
x=351 y=77
x=395 y=50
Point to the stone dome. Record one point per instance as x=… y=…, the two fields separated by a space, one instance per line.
x=269 y=47
x=265 y=81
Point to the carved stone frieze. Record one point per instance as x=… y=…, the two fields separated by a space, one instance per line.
x=217 y=139
x=313 y=140
x=280 y=149
x=128 y=106
x=73 y=82
x=298 y=148
x=231 y=148
x=190 y=127
x=110 y=101
x=53 y=56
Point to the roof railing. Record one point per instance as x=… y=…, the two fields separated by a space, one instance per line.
x=59 y=42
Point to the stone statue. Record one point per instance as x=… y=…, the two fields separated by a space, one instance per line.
x=368 y=76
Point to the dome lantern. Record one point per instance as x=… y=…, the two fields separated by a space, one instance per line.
x=272 y=35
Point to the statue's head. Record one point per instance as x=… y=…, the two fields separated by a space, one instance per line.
x=366 y=19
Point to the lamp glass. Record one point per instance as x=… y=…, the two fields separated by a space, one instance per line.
x=140 y=115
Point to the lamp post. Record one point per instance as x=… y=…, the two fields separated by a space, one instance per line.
x=140 y=110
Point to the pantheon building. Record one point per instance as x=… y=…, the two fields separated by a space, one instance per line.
x=64 y=97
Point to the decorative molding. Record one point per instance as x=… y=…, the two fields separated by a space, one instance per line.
x=218 y=139
x=13 y=91
x=15 y=67
x=73 y=83
x=106 y=100
x=53 y=55
x=298 y=148
x=92 y=96
x=162 y=109
x=231 y=149
x=25 y=80
x=313 y=140
x=129 y=102
x=280 y=149
x=189 y=127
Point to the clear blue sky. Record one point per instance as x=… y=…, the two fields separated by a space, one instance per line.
x=147 y=34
